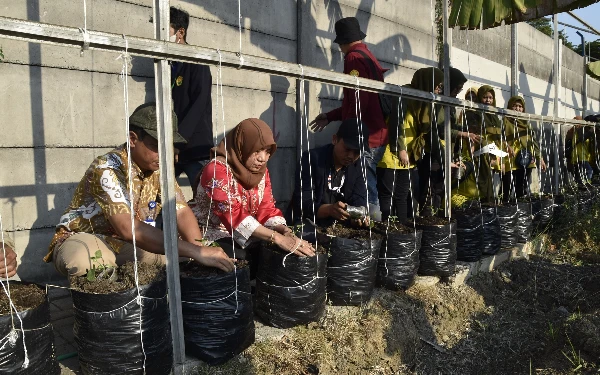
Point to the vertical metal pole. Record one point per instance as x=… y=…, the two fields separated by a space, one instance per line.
x=514 y=59
x=162 y=78
x=447 y=34
x=299 y=59
x=584 y=88
x=556 y=80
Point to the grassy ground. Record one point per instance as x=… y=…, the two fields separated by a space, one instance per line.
x=536 y=316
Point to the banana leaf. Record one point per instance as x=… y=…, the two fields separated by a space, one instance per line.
x=593 y=69
x=484 y=14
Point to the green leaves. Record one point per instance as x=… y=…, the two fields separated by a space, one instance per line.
x=97 y=267
x=593 y=69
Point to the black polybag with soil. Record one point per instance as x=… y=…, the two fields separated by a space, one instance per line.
x=469 y=234
x=542 y=211
x=39 y=341
x=290 y=290
x=584 y=201
x=438 y=249
x=218 y=320
x=351 y=268
x=492 y=237
x=508 y=216
x=399 y=259
x=107 y=331
x=524 y=221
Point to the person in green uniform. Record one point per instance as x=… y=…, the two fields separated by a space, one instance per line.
x=523 y=149
x=408 y=124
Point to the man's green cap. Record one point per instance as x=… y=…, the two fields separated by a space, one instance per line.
x=144 y=117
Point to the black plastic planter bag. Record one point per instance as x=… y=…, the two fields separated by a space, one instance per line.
x=39 y=342
x=492 y=237
x=584 y=201
x=508 y=217
x=218 y=323
x=469 y=236
x=542 y=211
x=523 y=221
x=438 y=250
x=290 y=292
x=399 y=260
x=107 y=331
x=351 y=270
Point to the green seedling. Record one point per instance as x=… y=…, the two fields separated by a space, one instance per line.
x=98 y=266
x=205 y=242
x=551 y=331
x=574 y=356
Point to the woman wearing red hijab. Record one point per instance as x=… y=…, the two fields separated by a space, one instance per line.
x=234 y=201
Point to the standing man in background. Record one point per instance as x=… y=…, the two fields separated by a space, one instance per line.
x=360 y=62
x=192 y=103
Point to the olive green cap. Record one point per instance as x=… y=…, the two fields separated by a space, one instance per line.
x=144 y=117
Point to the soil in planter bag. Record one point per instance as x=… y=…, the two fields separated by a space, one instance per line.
x=523 y=221
x=584 y=201
x=508 y=218
x=107 y=331
x=218 y=323
x=492 y=238
x=351 y=268
x=291 y=293
x=399 y=259
x=469 y=234
x=438 y=248
x=542 y=210
x=39 y=340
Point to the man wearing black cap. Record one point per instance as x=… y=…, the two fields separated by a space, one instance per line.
x=360 y=62
x=337 y=179
x=96 y=228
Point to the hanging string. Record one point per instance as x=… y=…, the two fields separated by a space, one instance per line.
x=12 y=336
x=84 y=33
x=124 y=76
x=240 y=34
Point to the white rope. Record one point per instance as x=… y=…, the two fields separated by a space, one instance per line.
x=136 y=300
x=84 y=33
x=10 y=301
x=124 y=75
x=240 y=34
x=293 y=287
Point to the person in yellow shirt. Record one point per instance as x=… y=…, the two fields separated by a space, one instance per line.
x=582 y=153
x=523 y=150
x=408 y=123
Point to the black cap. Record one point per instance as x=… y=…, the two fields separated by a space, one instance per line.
x=144 y=117
x=347 y=30
x=350 y=131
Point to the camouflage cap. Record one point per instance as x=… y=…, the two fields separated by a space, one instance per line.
x=144 y=117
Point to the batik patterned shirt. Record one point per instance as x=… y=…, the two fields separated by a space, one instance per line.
x=103 y=192
x=221 y=203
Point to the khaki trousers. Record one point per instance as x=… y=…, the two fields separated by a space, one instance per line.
x=72 y=258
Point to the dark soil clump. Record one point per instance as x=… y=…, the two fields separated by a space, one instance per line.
x=147 y=273
x=195 y=269
x=395 y=227
x=432 y=220
x=338 y=230
x=24 y=297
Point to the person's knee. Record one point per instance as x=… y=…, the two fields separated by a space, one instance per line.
x=78 y=254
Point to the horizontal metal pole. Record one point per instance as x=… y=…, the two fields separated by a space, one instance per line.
x=70 y=36
x=584 y=23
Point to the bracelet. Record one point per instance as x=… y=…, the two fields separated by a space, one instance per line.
x=273 y=237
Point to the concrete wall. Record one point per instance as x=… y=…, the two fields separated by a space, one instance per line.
x=60 y=109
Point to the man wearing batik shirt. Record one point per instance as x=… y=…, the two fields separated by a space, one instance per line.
x=99 y=216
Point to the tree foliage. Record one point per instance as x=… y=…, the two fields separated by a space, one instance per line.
x=591 y=49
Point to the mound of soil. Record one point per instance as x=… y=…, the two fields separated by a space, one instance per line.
x=24 y=297
x=394 y=227
x=338 y=230
x=320 y=248
x=432 y=220
x=195 y=269
x=147 y=273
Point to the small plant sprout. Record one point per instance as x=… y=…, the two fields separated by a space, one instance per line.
x=574 y=356
x=551 y=331
x=205 y=242
x=98 y=266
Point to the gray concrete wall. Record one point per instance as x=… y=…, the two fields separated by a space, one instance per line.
x=60 y=109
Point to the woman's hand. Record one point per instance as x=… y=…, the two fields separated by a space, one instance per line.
x=282 y=229
x=319 y=123
x=8 y=265
x=471 y=136
x=294 y=245
x=213 y=257
x=403 y=156
x=543 y=166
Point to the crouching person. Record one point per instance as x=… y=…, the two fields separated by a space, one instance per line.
x=99 y=216
x=332 y=186
x=8 y=257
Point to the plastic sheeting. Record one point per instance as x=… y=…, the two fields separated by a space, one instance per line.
x=351 y=270
x=39 y=341
x=508 y=217
x=438 y=250
x=290 y=292
x=542 y=210
x=399 y=260
x=469 y=235
x=492 y=237
x=523 y=221
x=584 y=201
x=218 y=322
x=107 y=331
